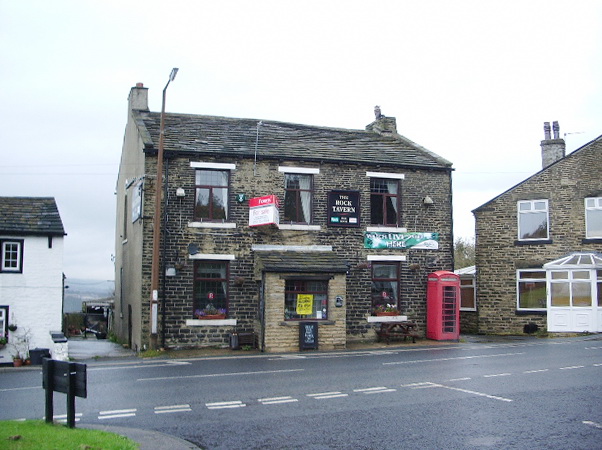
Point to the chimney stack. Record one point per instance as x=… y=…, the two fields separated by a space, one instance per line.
x=385 y=126
x=138 y=98
x=554 y=149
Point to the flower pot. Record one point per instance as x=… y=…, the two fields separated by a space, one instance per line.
x=17 y=362
x=212 y=317
x=389 y=313
x=12 y=327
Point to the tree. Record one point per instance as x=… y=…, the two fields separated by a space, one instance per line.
x=464 y=252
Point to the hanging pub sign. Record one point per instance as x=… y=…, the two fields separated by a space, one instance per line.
x=344 y=208
x=263 y=211
x=428 y=241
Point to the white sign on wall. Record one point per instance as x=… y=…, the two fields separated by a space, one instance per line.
x=264 y=211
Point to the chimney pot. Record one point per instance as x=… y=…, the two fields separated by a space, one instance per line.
x=546 y=130
x=139 y=85
x=556 y=129
x=377 y=113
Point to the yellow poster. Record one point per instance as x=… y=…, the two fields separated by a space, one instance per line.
x=305 y=304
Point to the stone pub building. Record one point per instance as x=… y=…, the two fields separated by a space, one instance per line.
x=266 y=225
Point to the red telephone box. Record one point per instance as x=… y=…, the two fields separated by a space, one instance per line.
x=443 y=306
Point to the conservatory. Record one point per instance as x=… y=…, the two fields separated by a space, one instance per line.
x=574 y=286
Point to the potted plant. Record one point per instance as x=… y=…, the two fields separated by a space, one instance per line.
x=12 y=327
x=210 y=313
x=3 y=342
x=386 y=310
x=17 y=360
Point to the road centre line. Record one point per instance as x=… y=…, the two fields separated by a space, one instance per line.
x=20 y=388
x=327 y=395
x=459 y=379
x=536 y=371
x=117 y=414
x=451 y=358
x=229 y=374
x=276 y=400
x=172 y=409
x=593 y=424
x=375 y=390
x=506 y=374
x=225 y=405
x=571 y=367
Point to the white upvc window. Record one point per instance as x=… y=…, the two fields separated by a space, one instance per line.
x=531 y=290
x=593 y=217
x=533 y=220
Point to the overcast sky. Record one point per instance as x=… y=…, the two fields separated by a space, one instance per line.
x=472 y=81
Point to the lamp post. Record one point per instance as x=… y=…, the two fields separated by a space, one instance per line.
x=154 y=301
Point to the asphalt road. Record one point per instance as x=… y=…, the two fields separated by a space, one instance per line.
x=535 y=393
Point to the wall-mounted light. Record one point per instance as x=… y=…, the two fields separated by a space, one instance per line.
x=170 y=272
x=427 y=201
x=180 y=192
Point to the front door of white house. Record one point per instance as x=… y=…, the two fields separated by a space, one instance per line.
x=574 y=293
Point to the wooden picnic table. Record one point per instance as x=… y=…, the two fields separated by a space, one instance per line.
x=403 y=329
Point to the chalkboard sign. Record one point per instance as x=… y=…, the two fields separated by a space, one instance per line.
x=308 y=335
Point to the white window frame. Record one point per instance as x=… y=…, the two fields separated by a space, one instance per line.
x=532 y=210
x=527 y=280
x=595 y=204
x=3 y=262
x=472 y=286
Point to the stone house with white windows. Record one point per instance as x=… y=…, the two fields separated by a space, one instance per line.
x=538 y=246
x=265 y=225
x=31 y=277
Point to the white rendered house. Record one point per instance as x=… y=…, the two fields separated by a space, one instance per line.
x=31 y=277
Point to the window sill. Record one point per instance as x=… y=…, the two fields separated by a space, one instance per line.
x=299 y=227
x=531 y=312
x=591 y=241
x=534 y=242
x=296 y=322
x=384 y=229
x=211 y=225
x=210 y=323
x=380 y=319
x=468 y=309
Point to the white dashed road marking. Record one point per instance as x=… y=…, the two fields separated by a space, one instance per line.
x=117 y=414
x=172 y=409
x=276 y=400
x=325 y=395
x=225 y=405
x=571 y=367
x=374 y=390
x=592 y=424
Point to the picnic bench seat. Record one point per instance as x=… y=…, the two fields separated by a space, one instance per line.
x=389 y=330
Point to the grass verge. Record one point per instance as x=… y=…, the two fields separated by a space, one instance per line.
x=37 y=434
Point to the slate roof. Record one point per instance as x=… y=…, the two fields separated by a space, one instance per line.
x=30 y=216
x=296 y=261
x=239 y=138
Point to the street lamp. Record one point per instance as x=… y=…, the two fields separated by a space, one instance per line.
x=154 y=301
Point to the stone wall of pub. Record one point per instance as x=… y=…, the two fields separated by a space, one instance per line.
x=264 y=179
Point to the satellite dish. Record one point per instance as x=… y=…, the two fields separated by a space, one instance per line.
x=193 y=249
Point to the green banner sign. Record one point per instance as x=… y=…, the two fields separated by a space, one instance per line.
x=378 y=239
